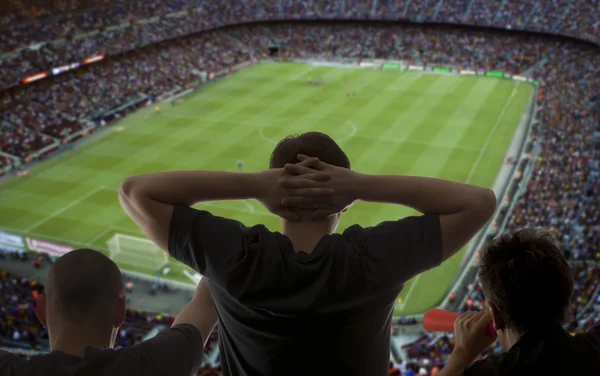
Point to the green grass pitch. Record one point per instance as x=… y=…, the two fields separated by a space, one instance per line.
x=451 y=127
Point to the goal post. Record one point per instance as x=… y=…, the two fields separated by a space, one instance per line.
x=136 y=252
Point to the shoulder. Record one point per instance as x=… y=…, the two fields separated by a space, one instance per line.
x=490 y=366
x=590 y=340
x=426 y=220
x=8 y=362
x=14 y=364
x=398 y=230
x=177 y=350
x=180 y=337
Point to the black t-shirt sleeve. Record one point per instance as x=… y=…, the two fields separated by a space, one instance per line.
x=7 y=363
x=205 y=242
x=490 y=366
x=404 y=248
x=177 y=351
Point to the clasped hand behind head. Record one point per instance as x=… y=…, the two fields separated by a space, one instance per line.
x=310 y=189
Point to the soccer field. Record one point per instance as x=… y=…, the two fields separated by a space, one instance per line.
x=451 y=127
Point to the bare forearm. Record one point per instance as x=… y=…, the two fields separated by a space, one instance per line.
x=190 y=187
x=426 y=195
x=200 y=311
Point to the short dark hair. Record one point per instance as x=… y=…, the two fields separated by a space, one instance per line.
x=85 y=285
x=527 y=279
x=313 y=144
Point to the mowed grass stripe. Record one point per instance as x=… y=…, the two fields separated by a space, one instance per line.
x=444 y=163
x=421 y=298
x=386 y=160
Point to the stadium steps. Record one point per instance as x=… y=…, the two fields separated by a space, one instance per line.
x=559 y=21
x=532 y=12
x=398 y=42
x=536 y=65
x=244 y=46
x=367 y=44
x=212 y=357
x=437 y=9
x=499 y=11
x=468 y=10
x=374 y=7
x=403 y=15
x=23 y=9
x=391 y=10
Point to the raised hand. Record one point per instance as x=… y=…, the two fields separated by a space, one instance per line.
x=304 y=189
x=470 y=335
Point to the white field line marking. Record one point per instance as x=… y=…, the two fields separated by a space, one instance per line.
x=41 y=236
x=249 y=206
x=302 y=73
x=99 y=236
x=485 y=146
x=64 y=208
x=217 y=204
x=491 y=135
x=410 y=290
x=136 y=261
x=261 y=131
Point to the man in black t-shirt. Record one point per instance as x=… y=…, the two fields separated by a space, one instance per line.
x=305 y=301
x=83 y=306
x=528 y=286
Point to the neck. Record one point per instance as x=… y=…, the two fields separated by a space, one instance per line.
x=305 y=235
x=510 y=337
x=74 y=339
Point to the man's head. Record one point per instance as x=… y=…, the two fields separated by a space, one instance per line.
x=527 y=283
x=313 y=144
x=84 y=289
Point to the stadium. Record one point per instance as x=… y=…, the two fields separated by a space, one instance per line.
x=498 y=94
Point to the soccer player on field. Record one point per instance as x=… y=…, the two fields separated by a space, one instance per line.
x=306 y=290
x=240 y=165
x=156 y=109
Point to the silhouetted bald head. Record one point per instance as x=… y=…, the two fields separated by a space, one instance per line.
x=84 y=286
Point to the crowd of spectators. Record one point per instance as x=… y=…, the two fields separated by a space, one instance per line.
x=38 y=37
x=563 y=193
x=28 y=22
x=33 y=116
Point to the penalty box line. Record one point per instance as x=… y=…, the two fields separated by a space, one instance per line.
x=65 y=208
x=122 y=257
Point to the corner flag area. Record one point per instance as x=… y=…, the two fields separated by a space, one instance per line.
x=388 y=122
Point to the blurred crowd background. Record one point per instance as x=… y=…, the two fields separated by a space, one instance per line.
x=156 y=46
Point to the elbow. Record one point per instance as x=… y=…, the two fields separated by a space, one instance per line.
x=126 y=189
x=486 y=203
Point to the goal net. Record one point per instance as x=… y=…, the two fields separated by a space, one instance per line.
x=136 y=252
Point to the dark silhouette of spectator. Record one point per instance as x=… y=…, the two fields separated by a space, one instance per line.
x=83 y=306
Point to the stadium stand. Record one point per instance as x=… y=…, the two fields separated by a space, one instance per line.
x=563 y=193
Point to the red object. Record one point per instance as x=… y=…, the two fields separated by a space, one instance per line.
x=438 y=320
